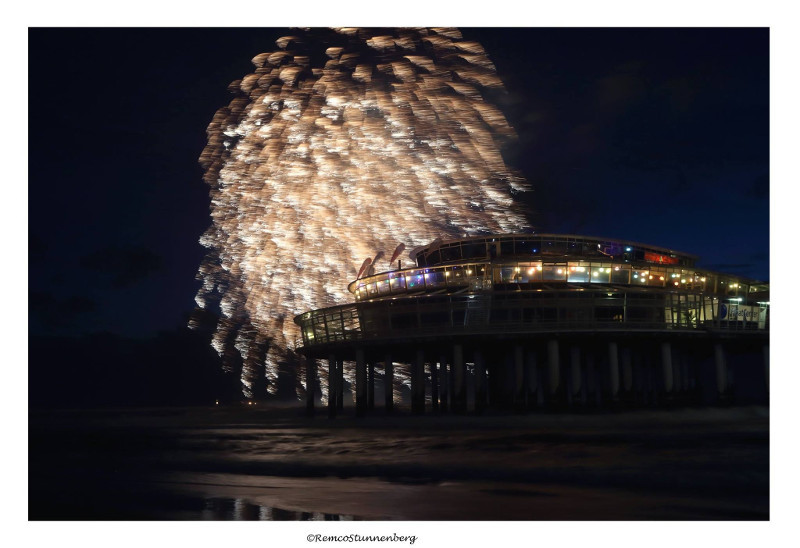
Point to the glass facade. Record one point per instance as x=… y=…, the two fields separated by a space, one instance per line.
x=542 y=245
x=535 y=283
x=531 y=312
x=530 y=274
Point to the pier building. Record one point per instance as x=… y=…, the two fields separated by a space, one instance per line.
x=544 y=321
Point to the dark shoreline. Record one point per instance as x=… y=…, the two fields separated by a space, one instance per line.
x=191 y=463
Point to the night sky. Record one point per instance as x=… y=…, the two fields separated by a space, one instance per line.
x=658 y=135
x=654 y=135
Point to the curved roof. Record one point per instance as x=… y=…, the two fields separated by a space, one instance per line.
x=570 y=238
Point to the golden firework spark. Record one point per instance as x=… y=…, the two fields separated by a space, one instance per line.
x=343 y=143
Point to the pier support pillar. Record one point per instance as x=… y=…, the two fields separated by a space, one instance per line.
x=533 y=379
x=444 y=383
x=361 y=383
x=613 y=370
x=627 y=370
x=677 y=373
x=553 y=367
x=311 y=385
x=594 y=384
x=370 y=385
x=332 y=386
x=340 y=385
x=434 y=386
x=418 y=383
x=480 y=382
x=519 y=377
x=685 y=373
x=651 y=366
x=721 y=367
x=459 y=380
x=575 y=372
x=640 y=376
x=388 y=383
x=666 y=366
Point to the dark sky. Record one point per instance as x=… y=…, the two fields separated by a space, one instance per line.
x=654 y=135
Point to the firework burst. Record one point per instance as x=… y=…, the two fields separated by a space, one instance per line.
x=341 y=144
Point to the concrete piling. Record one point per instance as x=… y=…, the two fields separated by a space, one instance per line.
x=627 y=370
x=332 y=386
x=666 y=367
x=340 y=385
x=370 y=385
x=721 y=370
x=388 y=383
x=444 y=384
x=311 y=385
x=575 y=372
x=459 y=380
x=553 y=368
x=519 y=378
x=418 y=383
x=361 y=383
x=480 y=383
x=613 y=370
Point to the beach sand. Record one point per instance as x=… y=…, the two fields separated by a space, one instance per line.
x=249 y=463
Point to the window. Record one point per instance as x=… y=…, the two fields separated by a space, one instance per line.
x=554 y=272
x=620 y=274
x=600 y=274
x=578 y=273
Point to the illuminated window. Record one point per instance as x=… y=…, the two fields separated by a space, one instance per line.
x=554 y=272
x=601 y=274
x=578 y=273
x=620 y=274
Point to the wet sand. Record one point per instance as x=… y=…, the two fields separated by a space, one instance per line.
x=274 y=464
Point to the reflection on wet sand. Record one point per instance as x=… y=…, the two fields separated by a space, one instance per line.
x=230 y=464
x=223 y=509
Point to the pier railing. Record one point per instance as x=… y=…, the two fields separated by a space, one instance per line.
x=576 y=310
